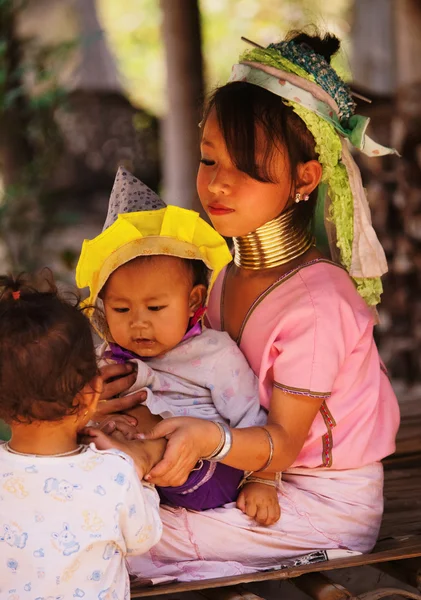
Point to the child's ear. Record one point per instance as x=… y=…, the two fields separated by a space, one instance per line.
x=89 y=397
x=197 y=298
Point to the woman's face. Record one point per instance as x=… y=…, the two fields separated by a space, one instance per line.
x=235 y=203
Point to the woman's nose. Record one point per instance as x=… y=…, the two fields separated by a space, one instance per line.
x=219 y=182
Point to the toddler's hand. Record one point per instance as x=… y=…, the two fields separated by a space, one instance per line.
x=134 y=449
x=124 y=424
x=260 y=502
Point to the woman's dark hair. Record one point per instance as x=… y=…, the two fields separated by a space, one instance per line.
x=241 y=108
x=47 y=354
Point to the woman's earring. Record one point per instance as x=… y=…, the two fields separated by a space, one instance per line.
x=298 y=197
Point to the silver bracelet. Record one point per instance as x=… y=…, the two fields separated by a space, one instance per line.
x=271 y=449
x=220 y=443
x=226 y=446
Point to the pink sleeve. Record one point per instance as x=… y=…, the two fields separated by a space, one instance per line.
x=311 y=344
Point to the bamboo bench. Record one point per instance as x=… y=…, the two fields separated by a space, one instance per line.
x=397 y=553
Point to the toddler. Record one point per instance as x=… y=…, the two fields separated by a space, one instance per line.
x=69 y=513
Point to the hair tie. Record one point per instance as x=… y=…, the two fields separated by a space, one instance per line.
x=16 y=295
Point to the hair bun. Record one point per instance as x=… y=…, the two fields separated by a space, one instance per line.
x=326 y=46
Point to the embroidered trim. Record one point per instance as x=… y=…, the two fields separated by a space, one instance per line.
x=206 y=478
x=327 y=438
x=301 y=391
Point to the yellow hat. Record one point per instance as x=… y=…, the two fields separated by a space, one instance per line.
x=131 y=230
x=170 y=231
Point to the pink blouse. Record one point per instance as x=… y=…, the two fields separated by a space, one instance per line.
x=311 y=333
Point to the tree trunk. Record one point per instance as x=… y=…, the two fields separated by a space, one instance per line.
x=181 y=134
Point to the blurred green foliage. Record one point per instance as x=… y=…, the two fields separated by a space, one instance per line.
x=133 y=31
x=29 y=95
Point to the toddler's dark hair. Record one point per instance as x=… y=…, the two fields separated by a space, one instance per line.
x=241 y=106
x=199 y=270
x=47 y=354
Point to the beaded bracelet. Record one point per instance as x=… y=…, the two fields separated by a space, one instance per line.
x=252 y=479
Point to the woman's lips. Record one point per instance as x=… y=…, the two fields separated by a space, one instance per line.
x=219 y=209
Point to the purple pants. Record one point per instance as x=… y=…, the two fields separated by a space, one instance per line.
x=212 y=485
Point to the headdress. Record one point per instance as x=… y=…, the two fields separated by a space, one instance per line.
x=139 y=223
x=305 y=81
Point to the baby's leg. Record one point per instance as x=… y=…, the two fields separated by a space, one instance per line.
x=210 y=486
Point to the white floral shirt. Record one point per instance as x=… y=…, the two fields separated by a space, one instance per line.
x=68 y=523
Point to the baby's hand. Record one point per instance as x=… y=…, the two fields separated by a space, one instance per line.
x=260 y=502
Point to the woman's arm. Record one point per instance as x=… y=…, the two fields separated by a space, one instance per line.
x=289 y=422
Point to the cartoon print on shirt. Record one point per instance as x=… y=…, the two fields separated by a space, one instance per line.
x=60 y=490
x=65 y=541
x=14 y=536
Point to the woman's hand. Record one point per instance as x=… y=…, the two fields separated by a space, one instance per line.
x=188 y=440
x=117 y=379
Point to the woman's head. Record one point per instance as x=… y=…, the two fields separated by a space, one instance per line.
x=149 y=301
x=257 y=154
x=47 y=355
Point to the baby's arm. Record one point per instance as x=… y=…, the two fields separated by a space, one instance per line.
x=145 y=376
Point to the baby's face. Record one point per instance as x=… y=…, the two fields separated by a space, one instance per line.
x=148 y=304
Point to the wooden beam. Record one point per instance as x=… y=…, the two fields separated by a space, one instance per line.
x=320 y=587
x=238 y=592
x=386 y=593
x=390 y=550
x=407 y=571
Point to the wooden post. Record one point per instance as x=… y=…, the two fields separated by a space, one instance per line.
x=407 y=18
x=181 y=134
x=372 y=57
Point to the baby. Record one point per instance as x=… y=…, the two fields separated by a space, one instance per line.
x=152 y=305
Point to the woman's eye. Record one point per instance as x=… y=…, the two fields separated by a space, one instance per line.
x=121 y=310
x=155 y=308
x=206 y=162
